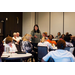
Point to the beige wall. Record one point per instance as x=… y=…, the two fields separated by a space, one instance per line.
x=28 y=22
x=50 y=22
x=56 y=22
x=43 y=21
x=69 y=22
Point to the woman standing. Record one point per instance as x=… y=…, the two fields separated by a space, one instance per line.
x=36 y=35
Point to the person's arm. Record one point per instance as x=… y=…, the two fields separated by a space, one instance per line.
x=14 y=40
x=32 y=33
x=54 y=42
x=40 y=35
x=73 y=58
x=3 y=41
x=15 y=49
x=50 y=46
x=46 y=57
x=43 y=60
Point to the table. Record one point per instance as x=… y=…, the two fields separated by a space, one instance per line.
x=54 y=48
x=55 y=40
x=15 y=56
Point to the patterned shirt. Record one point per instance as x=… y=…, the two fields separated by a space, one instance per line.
x=26 y=46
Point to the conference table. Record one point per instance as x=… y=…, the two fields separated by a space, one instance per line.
x=14 y=56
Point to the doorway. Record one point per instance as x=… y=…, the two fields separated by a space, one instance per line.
x=2 y=30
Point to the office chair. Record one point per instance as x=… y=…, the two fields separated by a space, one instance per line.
x=71 y=49
x=42 y=51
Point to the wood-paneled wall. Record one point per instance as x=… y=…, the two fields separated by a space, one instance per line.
x=11 y=24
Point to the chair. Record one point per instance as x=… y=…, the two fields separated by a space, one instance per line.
x=42 y=51
x=71 y=49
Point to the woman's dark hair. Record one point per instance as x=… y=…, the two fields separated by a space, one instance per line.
x=70 y=34
x=59 y=33
x=61 y=44
x=67 y=33
x=51 y=36
x=1 y=48
x=67 y=38
x=62 y=35
x=37 y=29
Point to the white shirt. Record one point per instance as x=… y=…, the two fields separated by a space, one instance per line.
x=20 y=38
x=15 y=39
x=60 y=56
x=68 y=44
x=11 y=49
x=4 y=40
x=45 y=44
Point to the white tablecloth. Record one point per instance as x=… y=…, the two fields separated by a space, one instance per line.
x=15 y=55
x=55 y=39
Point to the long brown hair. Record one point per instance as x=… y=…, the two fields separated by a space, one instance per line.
x=37 y=29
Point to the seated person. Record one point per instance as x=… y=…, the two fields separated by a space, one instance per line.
x=20 y=38
x=73 y=41
x=43 y=42
x=60 y=55
x=67 y=33
x=10 y=45
x=70 y=35
x=58 y=35
x=62 y=37
x=5 y=38
x=15 y=39
x=1 y=49
x=68 y=43
x=26 y=45
x=51 y=41
x=44 y=35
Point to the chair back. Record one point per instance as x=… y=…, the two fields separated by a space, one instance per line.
x=42 y=51
x=71 y=49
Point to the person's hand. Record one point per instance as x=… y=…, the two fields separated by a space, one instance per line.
x=35 y=36
x=17 y=41
x=30 y=41
x=3 y=42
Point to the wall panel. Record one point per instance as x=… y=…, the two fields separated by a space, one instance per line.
x=56 y=23
x=43 y=21
x=28 y=22
x=69 y=22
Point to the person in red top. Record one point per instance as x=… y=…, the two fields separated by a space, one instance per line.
x=51 y=41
